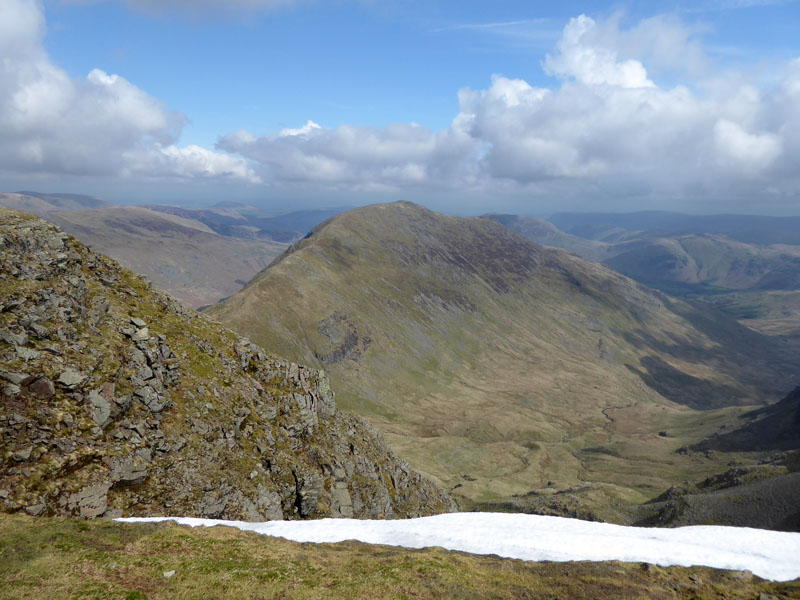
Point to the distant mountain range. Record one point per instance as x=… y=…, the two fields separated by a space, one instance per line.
x=750 y=229
x=758 y=282
x=507 y=369
x=198 y=256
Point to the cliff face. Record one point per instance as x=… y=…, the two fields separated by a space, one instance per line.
x=116 y=400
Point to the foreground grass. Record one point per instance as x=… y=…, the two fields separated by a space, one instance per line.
x=65 y=558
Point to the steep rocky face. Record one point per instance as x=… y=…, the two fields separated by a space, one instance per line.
x=116 y=400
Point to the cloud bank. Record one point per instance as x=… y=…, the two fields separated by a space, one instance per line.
x=102 y=125
x=606 y=121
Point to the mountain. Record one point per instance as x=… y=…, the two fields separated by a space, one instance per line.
x=658 y=259
x=181 y=256
x=750 y=229
x=117 y=400
x=38 y=203
x=757 y=284
x=234 y=220
x=504 y=368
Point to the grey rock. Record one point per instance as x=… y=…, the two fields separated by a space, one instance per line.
x=130 y=470
x=23 y=455
x=341 y=501
x=269 y=502
x=15 y=339
x=138 y=322
x=213 y=506
x=16 y=378
x=11 y=390
x=309 y=490
x=36 y=510
x=91 y=501
x=27 y=354
x=99 y=409
x=71 y=378
x=153 y=401
x=145 y=454
x=40 y=331
x=141 y=335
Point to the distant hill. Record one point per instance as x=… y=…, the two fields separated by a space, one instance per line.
x=759 y=284
x=234 y=220
x=116 y=400
x=181 y=256
x=502 y=367
x=750 y=229
x=38 y=203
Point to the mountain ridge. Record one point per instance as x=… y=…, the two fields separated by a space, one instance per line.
x=488 y=361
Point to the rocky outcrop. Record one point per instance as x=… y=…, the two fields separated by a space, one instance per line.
x=116 y=401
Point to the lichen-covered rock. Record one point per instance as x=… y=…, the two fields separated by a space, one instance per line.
x=116 y=400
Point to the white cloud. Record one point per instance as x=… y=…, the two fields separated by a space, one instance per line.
x=607 y=123
x=53 y=124
x=579 y=57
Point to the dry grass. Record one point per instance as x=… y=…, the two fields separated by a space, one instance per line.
x=63 y=558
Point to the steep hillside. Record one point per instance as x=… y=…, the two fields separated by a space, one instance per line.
x=116 y=400
x=501 y=367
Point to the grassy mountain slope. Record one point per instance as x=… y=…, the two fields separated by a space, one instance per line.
x=501 y=367
x=117 y=400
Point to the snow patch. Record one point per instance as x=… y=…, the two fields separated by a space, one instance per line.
x=772 y=555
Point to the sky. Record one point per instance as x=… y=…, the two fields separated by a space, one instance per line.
x=465 y=106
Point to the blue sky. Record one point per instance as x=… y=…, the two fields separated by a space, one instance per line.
x=465 y=106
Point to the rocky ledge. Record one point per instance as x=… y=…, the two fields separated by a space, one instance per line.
x=115 y=400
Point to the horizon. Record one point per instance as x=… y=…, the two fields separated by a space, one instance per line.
x=464 y=108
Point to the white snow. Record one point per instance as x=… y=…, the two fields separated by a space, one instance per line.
x=769 y=554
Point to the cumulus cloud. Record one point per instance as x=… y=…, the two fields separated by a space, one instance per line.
x=364 y=157
x=606 y=121
x=99 y=125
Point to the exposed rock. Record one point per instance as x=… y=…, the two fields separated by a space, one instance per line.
x=16 y=378
x=309 y=490
x=91 y=501
x=23 y=455
x=142 y=335
x=131 y=470
x=100 y=409
x=71 y=378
